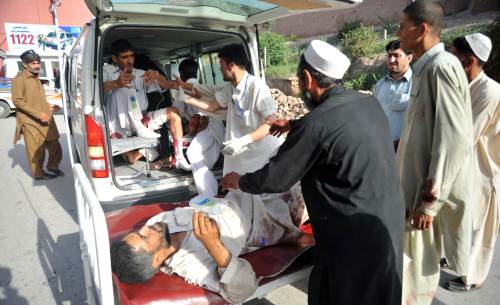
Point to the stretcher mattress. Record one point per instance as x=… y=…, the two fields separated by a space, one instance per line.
x=268 y=263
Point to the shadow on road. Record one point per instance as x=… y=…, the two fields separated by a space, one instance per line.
x=60 y=261
x=9 y=295
x=61 y=188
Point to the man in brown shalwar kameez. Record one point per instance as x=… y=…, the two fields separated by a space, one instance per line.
x=34 y=119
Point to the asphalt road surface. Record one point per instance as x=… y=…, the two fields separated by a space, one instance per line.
x=39 y=254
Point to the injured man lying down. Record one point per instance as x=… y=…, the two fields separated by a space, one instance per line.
x=202 y=242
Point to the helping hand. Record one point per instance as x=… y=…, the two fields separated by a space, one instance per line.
x=236 y=146
x=205 y=229
x=150 y=77
x=230 y=181
x=279 y=127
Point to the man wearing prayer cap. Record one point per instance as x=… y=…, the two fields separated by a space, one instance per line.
x=473 y=52
x=434 y=156
x=34 y=117
x=343 y=155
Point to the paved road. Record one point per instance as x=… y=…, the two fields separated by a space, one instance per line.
x=39 y=254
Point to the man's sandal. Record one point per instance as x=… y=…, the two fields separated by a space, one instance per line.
x=457 y=285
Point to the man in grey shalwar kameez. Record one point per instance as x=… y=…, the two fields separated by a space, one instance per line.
x=434 y=156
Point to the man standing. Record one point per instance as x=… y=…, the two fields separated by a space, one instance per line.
x=344 y=158
x=473 y=52
x=126 y=89
x=393 y=91
x=250 y=111
x=34 y=119
x=434 y=156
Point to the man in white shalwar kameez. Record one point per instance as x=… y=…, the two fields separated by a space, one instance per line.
x=473 y=52
x=434 y=156
x=204 y=149
x=204 y=249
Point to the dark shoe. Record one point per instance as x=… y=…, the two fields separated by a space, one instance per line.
x=443 y=263
x=45 y=176
x=457 y=285
x=56 y=172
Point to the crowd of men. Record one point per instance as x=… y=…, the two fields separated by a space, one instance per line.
x=390 y=180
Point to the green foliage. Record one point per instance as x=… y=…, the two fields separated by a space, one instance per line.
x=282 y=71
x=349 y=26
x=447 y=37
x=363 y=81
x=277 y=50
x=360 y=42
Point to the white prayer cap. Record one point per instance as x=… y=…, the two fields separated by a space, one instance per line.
x=480 y=45
x=327 y=59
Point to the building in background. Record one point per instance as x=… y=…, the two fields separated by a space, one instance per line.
x=29 y=24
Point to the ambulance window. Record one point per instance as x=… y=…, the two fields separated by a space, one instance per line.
x=210 y=69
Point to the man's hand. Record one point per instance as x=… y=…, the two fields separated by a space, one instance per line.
x=230 y=181
x=279 y=127
x=125 y=78
x=205 y=229
x=421 y=221
x=236 y=146
x=44 y=118
x=150 y=77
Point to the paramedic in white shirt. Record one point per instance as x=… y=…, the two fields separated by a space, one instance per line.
x=250 y=112
x=205 y=148
x=204 y=249
x=125 y=87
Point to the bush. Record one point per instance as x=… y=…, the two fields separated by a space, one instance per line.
x=447 y=37
x=349 y=26
x=277 y=50
x=282 y=71
x=363 y=81
x=492 y=67
x=360 y=42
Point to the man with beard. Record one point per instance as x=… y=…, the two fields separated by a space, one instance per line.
x=35 y=120
x=250 y=111
x=434 y=156
x=393 y=91
x=343 y=156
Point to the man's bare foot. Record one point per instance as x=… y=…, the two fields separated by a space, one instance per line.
x=133 y=156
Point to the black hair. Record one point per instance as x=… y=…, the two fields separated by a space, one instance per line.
x=463 y=46
x=121 y=45
x=188 y=68
x=234 y=53
x=322 y=80
x=395 y=45
x=431 y=12
x=130 y=265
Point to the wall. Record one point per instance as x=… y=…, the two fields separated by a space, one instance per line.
x=319 y=23
x=71 y=12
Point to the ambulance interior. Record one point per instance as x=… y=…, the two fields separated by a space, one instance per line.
x=162 y=49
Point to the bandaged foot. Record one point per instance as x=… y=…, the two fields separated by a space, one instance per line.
x=179 y=161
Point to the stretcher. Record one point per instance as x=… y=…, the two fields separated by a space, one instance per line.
x=276 y=265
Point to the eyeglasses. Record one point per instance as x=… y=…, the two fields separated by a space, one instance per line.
x=402 y=27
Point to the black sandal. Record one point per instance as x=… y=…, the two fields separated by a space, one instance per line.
x=457 y=285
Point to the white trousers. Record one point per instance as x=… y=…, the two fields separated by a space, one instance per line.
x=202 y=153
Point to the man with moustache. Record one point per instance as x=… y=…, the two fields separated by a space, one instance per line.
x=34 y=119
x=393 y=91
x=434 y=156
x=250 y=111
x=343 y=156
